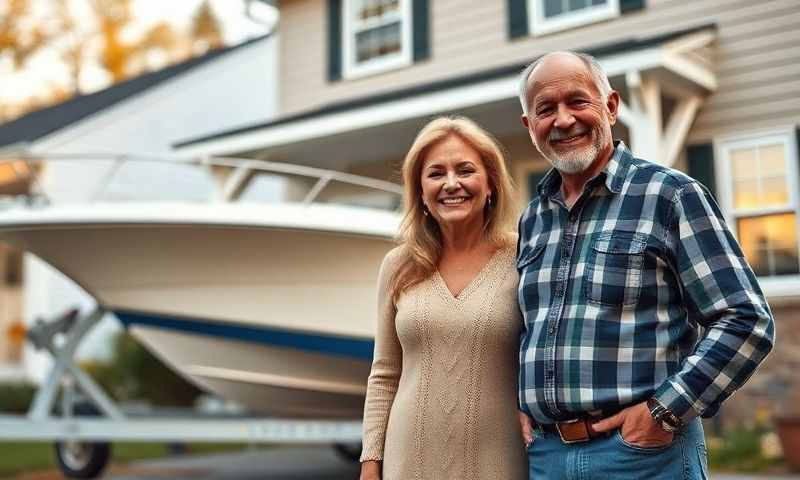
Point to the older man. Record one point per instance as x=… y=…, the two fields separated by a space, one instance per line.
x=641 y=313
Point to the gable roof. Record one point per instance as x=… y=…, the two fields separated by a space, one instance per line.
x=37 y=124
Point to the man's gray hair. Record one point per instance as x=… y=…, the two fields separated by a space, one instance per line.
x=599 y=76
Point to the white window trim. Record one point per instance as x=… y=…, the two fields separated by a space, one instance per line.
x=352 y=69
x=781 y=285
x=539 y=25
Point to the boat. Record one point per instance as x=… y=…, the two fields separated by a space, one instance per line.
x=269 y=305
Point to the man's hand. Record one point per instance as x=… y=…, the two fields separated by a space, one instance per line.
x=527 y=428
x=637 y=427
x=370 y=470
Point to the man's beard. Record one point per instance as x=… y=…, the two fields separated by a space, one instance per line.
x=574 y=160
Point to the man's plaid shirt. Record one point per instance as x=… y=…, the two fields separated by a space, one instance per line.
x=614 y=291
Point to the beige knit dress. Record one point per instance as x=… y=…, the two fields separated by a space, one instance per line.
x=442 y=394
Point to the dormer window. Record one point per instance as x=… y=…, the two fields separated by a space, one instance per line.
x=377 y=36
x=549 y=16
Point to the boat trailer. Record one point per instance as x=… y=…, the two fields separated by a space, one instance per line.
x=85 y=420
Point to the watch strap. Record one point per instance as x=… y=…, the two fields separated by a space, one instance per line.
x=664 y=416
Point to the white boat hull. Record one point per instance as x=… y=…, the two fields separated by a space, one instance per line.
x=272 y=309
x=265 y=379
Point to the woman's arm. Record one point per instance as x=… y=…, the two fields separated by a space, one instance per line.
x=370 y=470
x=385 y=374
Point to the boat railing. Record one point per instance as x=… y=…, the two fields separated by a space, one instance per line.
x=21 y=177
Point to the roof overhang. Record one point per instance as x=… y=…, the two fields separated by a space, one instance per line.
x=672 y=61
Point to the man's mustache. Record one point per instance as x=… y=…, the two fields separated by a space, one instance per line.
x=559 y=134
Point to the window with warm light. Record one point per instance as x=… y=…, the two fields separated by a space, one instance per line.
x=762 y=195
x=552 y=15
x=13 y=171
x=377 y=36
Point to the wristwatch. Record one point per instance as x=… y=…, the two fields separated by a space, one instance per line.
x=664 y=416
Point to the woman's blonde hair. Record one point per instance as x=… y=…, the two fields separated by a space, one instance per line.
x=419 y=233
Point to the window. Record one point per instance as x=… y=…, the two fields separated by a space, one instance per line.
x=552 y=15
x=761 y=195
x=377 y=36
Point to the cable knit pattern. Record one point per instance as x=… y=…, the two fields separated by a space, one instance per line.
x=441 y=399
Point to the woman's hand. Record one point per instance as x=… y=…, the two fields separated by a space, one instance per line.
x=527 y=428
x=370 y=470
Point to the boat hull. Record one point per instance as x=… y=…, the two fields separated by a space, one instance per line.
x=290 y=376
x=278 y=317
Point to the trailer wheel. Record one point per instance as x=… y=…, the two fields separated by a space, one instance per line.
x=348 y=451
x=83 y=459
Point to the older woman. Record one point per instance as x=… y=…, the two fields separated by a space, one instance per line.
x=441 y=398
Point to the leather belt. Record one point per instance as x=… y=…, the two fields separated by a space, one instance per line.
x=573 y=431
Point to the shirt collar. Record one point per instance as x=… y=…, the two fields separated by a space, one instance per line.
x=613 y=173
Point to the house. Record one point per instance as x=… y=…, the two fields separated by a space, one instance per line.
x=142 y=116
x=711 y=88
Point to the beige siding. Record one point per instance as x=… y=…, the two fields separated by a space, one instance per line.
x=756 y=55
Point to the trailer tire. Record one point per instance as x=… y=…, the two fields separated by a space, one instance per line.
x=83 y=459
x=348 y=451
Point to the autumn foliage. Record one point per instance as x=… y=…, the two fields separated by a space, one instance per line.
x=101 y=40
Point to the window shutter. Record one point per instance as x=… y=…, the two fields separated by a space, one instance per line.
x=700 y=159
x=334 y=40
x=533 y=181
x=517 y=18
x=628 y=6
x=797 y=138
x=422 y=31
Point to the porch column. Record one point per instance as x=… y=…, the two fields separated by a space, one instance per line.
x=649 y=137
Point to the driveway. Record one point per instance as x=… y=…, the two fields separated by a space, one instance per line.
x=285 y=463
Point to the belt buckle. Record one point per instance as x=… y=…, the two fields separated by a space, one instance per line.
x=576 y=431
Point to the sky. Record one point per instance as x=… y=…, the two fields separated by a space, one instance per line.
x=44 y=72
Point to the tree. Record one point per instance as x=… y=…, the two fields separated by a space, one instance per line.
x=17 y=39
x=113 y=16
x=206 y=32
x=73 y=46
x=163 y=40
x=99 y=38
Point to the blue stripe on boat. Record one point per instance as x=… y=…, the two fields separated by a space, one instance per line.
x=328 y=344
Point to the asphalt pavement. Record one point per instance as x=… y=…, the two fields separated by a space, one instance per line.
x=277 y=463
x=284 y=463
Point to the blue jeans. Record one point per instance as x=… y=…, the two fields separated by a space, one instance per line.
x=611 y=458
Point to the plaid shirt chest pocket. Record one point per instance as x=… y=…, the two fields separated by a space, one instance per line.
x=614 y=269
